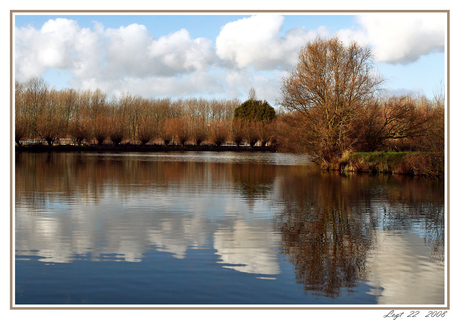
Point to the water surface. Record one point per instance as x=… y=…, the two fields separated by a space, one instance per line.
x=222 y=228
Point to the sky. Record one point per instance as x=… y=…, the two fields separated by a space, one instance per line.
x=219 y=55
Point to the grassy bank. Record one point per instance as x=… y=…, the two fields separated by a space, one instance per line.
x=413 y=163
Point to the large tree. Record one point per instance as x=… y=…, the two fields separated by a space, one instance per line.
x=330 y=85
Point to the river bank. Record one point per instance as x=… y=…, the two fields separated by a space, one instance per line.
x=412 y=163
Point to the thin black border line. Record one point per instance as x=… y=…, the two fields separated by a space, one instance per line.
x=239 y=307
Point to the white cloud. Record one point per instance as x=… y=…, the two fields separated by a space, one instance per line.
x=107 y=54
x=403 y=37
x=257 y=41
x=177 y=52
x=50 y=47
x=126 y=51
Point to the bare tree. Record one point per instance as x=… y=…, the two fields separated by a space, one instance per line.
x=265 y=132
x=69 y=105
x=166 y=131
x=328 y=88
x=21 y=126
x=51 y=122
x=238 y=126
x=36 y=94
x=21 y=117
x=251 y=132
x=147 y=130
x=117 y=128
x=392 y=123
x=219 y=132
x=79 y=129
x=198 y=130
x=101 y=128
x=180 y=130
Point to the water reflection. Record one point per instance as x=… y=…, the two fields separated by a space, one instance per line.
x=121 y=207
x=251 y=210
x=338 y=231
x=249 y=249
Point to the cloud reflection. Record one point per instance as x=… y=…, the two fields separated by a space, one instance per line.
x=335 y=230
x=165 y=206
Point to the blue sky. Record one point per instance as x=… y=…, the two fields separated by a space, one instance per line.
x=218 y=55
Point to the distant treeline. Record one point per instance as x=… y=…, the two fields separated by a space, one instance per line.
x=89 y=117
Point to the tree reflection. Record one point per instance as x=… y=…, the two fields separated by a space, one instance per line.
x=253 y=181
x=329 y=222
x=325 y=239
x=65 y=175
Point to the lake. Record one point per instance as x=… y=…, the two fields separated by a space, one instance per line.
x=222 y=228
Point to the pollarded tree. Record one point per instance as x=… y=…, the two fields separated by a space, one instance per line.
x=179 y=129
x=166 y=131
x=330 y=85
x=219 y=132
x=237 y=134
x=182 y=131
x=198 y=131
x=50 y=123
x=79 y=130
x=146 y=130
x=265 y=132
x=117 y=128
x=101 y=128
x=251 y=132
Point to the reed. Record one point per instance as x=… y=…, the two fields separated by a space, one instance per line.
x=413 y=163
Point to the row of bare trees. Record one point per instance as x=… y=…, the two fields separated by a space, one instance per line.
x=90 y=117
x=325 y=132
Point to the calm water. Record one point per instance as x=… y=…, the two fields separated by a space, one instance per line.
x=222 y=228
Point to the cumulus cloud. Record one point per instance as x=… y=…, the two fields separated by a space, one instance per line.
x=178 y=52
x=257 y=41
x=403 y=37
x=126 y=51
x=49 y=47
x=102 y=54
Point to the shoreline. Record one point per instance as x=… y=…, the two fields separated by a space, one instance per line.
x=138 y=148
x=404 y=163
x=428 y=164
